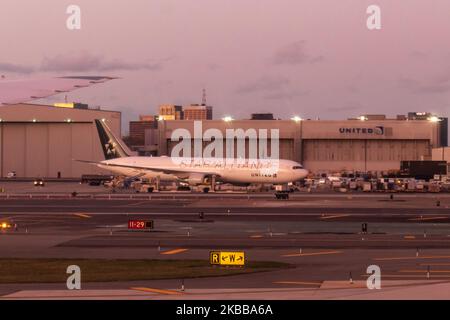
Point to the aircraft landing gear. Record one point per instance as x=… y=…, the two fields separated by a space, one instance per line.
x=213 y=183
x=282 y=195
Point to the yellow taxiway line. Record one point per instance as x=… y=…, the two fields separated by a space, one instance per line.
x=299 y=283
x=427 y=218
x=160 y=291
x=174 y=251
x=310 y=254
x=411 y=258
x=423 y=271
x=81 y=215
x=334 y=216
x=421 y=276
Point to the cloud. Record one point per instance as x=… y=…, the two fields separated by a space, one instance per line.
x=273 y=88
x=349 y=106
x=442 y=78
x=16 y=68
x=280 y=95
x=87 y=62
x=213 y=66
x=263 y=84
x=82 y=62
x=294 y=54
x=418 y=55
x=352 y=88
x=437 y=85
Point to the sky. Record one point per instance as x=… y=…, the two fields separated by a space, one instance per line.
x=311 y=58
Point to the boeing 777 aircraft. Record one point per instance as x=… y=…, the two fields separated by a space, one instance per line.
x=193 y=171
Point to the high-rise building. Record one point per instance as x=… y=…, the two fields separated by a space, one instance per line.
x=146 y=118
x=441 y=122
x=197 y=112
x=137 y=129
x=419 y=115
x=262 y=116
x=170 y=112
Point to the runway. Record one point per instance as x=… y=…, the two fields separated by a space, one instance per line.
x=329 y=290
x=320 y=236
x=248 y=206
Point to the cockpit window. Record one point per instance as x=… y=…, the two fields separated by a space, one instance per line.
x=297 y=167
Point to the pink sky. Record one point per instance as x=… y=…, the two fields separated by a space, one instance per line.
x=313 y=58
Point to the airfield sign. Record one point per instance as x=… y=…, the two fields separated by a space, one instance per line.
x=227 y=258
x=140 y=224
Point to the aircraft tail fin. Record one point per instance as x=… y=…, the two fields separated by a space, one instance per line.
x=112 y=146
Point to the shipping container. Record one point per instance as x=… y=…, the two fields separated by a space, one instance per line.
x=423 y=169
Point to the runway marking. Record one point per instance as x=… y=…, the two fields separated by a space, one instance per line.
x=410 y=276
x=160 y=291
x=256 y=236
x=299 y=283
x=81 y=215
x=174 y=251
x=334 y=216
x=427 y=218
x=62 y=296
x=311 y=254
x=136 y=204
x=424 y=271
x=409 y=237
x=293 y=214
x=411 y=258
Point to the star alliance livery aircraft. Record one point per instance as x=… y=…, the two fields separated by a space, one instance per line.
x=194 y=171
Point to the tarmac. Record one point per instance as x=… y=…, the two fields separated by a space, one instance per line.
x=320 y=234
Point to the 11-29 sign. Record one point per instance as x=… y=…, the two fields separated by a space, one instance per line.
x=139 y=224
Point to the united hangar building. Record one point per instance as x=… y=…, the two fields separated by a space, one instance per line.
x=42 y=141
x=371 y=143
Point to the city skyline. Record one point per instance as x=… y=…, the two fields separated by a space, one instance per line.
x=306 y=58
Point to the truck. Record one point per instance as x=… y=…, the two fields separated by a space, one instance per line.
x=95 y=179
x=143 y=187
x=282 y=191
x=424 y=170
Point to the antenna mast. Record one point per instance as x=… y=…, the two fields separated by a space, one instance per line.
x=204 y=97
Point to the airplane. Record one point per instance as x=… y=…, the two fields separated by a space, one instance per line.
x=194 y=171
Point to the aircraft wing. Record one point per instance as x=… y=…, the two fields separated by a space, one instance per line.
x=177 y=172
x=135 y=177
x=14 y=91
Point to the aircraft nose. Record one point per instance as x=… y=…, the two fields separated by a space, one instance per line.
x=300 y=174
x=304 y=173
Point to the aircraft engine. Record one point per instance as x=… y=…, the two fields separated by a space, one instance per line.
x=195 y=178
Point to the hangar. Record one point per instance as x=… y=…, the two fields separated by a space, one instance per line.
x=365 y=144
x=42 y=140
